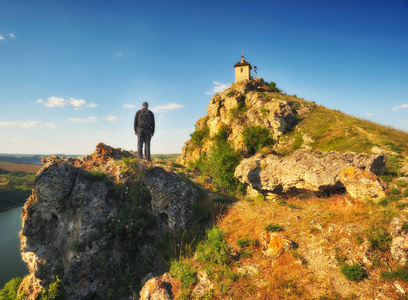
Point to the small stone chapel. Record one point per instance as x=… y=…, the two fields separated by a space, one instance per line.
x=242 y=70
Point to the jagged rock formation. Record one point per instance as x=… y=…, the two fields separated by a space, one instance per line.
x=253 y=97
x=61 y=232
x=304 y=170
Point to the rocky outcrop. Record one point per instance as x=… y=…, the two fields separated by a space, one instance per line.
x=304 y=170
x=244 y=104
x=172 y=198
x=273 y=245
x=362 y=184
x=62 y=235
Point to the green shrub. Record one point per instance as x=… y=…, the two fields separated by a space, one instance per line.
x=402 y=183
x=183 y=272
x=256 y=137
x=198 y=136
x=53 y=291
x=220 y=164
x=380 y=239
x=97 y=175
x=242 y=242
x=9 y=292
x=273 y=227
x=399 y=273
x=214 y=249
x=395 y=191
x=405 y=193
x=274 y=87
x=353 y=272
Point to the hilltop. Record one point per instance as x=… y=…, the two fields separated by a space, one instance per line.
x=273 y=197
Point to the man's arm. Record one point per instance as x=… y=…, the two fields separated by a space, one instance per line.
x=135 y=121
x=153 y=124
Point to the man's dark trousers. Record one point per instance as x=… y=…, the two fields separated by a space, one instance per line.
x=143 y=136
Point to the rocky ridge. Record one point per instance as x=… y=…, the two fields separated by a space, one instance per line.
x=61 y=235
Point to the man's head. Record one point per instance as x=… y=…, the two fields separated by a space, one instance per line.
x=145 y=105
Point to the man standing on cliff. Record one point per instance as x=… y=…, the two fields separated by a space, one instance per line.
x=144 y=130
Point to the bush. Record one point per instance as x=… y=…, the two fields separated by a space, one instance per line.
x=9 y=292
x=255 y=138
x=395 y=191
x=198 y=136
x=400 y=273
x=274 y=87
x=353 y=272
x=273 y=227
x=220 y=164
x=380 y=239
x=184 y=272
x=214 y=249
x=242 y=242
x=53 y=291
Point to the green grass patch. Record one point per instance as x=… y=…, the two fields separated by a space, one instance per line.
x=273 y=227
x=399 y=273
x=354 y=272
x=380 y=239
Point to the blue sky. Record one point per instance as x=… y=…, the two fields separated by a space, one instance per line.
x=73 y=73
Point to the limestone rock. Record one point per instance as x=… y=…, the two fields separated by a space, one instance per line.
x=362 y=184
x=158 y=288
x=273 y=245
x=203 y=286
x=61 y=219
x=304 y=170
x=399 y=245
x=172 y=198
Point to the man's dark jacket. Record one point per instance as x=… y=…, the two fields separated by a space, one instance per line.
x=152 y=125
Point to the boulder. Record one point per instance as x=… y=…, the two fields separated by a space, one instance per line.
x=304 y=170
x=273 y=245
x=158 y=288
x=362 y=184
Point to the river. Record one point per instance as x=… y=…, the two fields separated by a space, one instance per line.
x=11 y=264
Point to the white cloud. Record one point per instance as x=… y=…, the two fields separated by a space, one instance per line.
x=87 y=120
x=218 y=88
x=119 y=54
x=171 y=106
x=369 y=114
x=1 y=37
x=400 y=107
x=21 y=125
x=77 y=103
x=12 y=35
x=129 y=105
x=61 y=102
x=112 y=118
x=50 y=125
x=403 y=121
